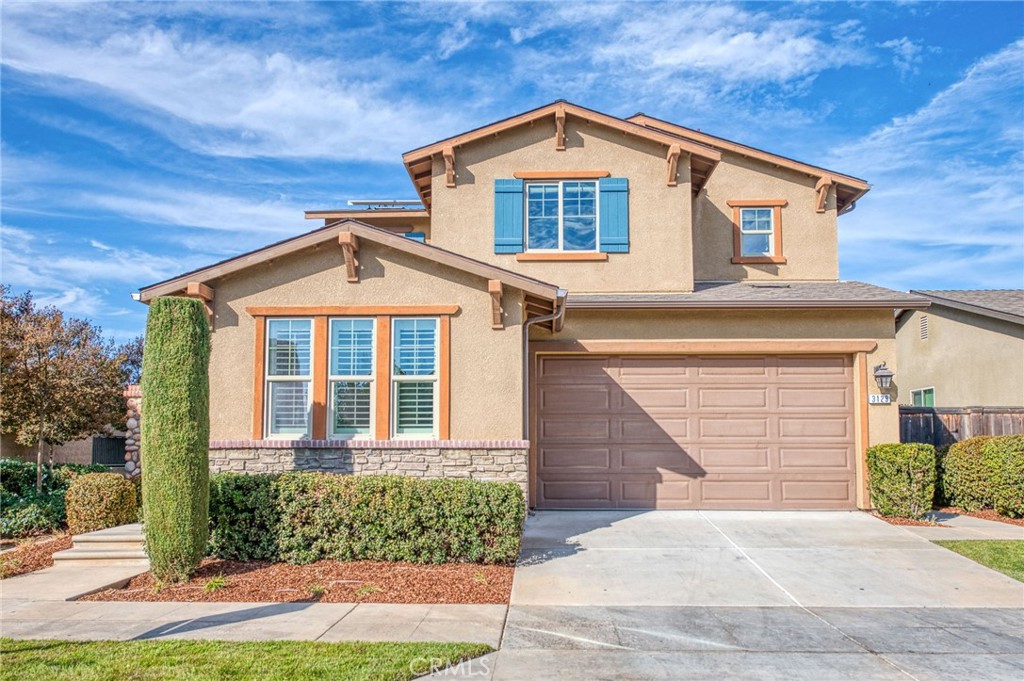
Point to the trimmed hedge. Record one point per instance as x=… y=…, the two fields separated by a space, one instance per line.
x=25 y=512
x=1004 y=459
x=305 y=517
x=100 y=500
x=901 y=478
x=175 y=436
x=244 y=516
x=966 y=479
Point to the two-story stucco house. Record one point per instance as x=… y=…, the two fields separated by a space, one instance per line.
x=615 y=313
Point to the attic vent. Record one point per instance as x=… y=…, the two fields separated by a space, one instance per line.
x=924 y=327
x=770 y=286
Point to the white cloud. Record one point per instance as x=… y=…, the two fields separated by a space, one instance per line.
x=454 y=39
x=947 y=208
x=906 y=54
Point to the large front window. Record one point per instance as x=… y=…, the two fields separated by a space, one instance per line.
x=414 y=377
x=561 y=216
x=350 y=383
x=289 y=375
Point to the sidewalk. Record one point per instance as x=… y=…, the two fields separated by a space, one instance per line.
x=37 y=605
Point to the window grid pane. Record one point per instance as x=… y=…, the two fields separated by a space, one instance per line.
x=351 y=347
x=289 y=407
x=351 y=407
x=579 y=221
x=414 y=407
x=415 y=347
x=289 y=347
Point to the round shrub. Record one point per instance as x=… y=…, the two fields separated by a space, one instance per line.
x=901 y=479
x=99 y=500
x=176 y=436
x=966 y=481
x=1004 y=459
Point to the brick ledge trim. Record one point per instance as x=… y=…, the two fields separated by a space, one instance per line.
x=369 y=444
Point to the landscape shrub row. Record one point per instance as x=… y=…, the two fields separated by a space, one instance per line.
x=979 y=473
x=96 y=501
x=23 y=511
x=305 y=517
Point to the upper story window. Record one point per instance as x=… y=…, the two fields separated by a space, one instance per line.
x=757 y=231
x=289 y=377
x=561 y=216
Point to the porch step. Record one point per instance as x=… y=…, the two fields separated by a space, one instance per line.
x=123 y=545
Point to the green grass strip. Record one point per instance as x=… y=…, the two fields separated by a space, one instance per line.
x=36 y=660
x=1004 y=555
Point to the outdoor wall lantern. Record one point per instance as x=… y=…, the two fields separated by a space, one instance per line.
x=883 y=376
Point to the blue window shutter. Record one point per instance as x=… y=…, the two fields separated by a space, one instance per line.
x=508 y=216
x=614 y=227
x=417 y=236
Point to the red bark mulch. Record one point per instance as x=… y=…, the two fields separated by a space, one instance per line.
x=987 y=514
x=32 y=554
x=907 y=521
x=327 y=581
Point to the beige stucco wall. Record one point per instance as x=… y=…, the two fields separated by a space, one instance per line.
x=969 y=359
x=76 y=451
x=486 y=368
x=876 y=325
x=809 y=239
x=660 y=254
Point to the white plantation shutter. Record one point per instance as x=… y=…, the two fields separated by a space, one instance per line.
x=289 y=376
x=414 y=376
x=351 y=380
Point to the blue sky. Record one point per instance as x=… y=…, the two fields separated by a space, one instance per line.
x=141 y=140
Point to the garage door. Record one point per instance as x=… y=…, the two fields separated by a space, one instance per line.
x=744 y=432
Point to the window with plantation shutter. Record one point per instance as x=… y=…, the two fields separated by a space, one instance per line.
x=289 y=375
x=350 y=383
x=414 y=376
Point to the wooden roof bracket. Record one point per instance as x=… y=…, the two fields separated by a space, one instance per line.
x=349 y=243
x=494 y=288
x=824 y=184
x=673 y=164
x=449 y=166
x=560 y=128
x=197 y=289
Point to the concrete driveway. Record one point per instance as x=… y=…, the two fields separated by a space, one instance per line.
x=752 y=595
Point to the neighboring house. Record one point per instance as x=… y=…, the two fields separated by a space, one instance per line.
x=965 y=350
x=613 y=313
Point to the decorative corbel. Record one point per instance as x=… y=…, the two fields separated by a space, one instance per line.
x=673 y=164
x=494 y=288
x=196 y=289
x=560 y=128
x=822 y=190
x=349 y=245
x=449 y=166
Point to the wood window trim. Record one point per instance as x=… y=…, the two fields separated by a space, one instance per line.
x=382 y=368
x=776 y=258
x=561 y=174
x=561 y=257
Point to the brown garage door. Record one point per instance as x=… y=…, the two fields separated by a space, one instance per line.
x=772 y=431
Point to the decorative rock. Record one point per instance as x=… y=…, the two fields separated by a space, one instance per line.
x=129 y=466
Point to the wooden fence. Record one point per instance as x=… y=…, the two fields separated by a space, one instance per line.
x=941 y=426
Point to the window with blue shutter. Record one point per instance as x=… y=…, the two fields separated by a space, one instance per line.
x=508 y=216
x=613 y=193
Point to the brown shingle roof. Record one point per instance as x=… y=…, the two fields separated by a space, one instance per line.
x=1007 y=304
x=768 y=294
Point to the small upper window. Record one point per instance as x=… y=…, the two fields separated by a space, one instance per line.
x=561 y=216
x=923 y=398
x=757 y=232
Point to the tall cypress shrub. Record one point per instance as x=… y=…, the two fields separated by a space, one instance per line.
x=175 y=437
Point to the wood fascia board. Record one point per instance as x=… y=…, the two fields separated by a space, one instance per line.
x=355 y=214
x=349 y=243
x=577 y=304
x=494 y=288
x=686 y=347
x=628 y=127
x=751 y=152
x=349 y=310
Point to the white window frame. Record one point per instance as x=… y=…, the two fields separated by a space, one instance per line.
x=332 y=434
x=561 y=213
x=921 y=391
x=770 y=233
x=268 y=379
x=394 y=380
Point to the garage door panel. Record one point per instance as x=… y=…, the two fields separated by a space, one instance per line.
x=755 y=432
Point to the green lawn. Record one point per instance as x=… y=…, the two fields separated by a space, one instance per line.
x=221 y=660
x=1007 y=555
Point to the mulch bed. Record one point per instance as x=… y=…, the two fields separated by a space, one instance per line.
x=987 y=514
x=32 y=554
x=907 y=521
x=327 y=582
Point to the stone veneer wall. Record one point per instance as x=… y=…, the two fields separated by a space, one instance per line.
x=133 y=437
x=500 y=460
